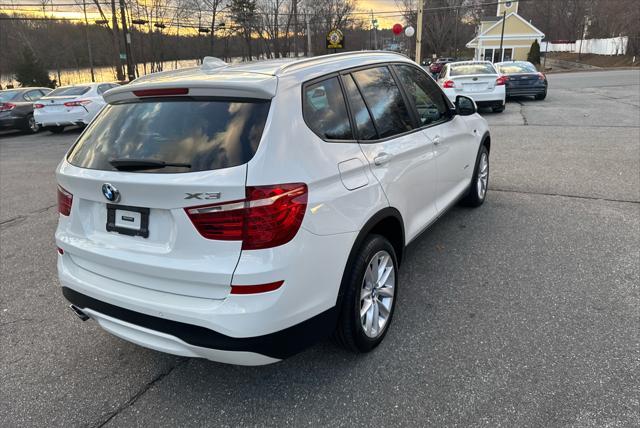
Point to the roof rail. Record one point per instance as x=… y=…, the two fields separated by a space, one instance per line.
x=341 y=54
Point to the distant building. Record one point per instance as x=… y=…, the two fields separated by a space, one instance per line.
x=519 y=34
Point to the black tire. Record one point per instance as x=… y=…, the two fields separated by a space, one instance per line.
x=56 y=129
x=542 y=96
x=498 y=109
x=349 y=331
x=473 y=197
x=30 y=126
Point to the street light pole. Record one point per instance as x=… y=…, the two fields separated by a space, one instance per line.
x=419 y=31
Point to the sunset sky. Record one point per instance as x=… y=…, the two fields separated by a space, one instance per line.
x=385 y=20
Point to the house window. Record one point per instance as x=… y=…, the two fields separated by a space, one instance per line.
x=495 y=55
x=508 y=55
x=508 y=4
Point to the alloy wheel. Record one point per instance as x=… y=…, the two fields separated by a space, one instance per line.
x=33 y=126
x=376 y=294
x=483 y=176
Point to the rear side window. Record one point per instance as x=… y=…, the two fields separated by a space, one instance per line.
x=465 y=69
x=361 y=116
x=424 y=93
x=325 y=111
x=384 y=100
x=199 y=134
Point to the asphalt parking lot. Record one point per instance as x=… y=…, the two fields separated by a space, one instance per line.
x=524 y=312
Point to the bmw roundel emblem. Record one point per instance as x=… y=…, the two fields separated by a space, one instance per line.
x=110 y=192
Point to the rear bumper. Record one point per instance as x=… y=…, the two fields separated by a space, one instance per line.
x=63 y=119
x=526 y=91
x=274 y=325
x=189 y=340
x=494 y=97
x=11 y=122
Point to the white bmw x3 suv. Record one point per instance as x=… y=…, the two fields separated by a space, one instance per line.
x=241 y=213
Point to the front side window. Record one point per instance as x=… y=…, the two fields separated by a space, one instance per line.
x=382 y=95
x=325 y=111
x=193 y=134
x=424 y=93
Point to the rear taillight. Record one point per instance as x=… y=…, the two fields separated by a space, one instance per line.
x=65 y=199
x=268 y=217
x=7 y=106
x=541 y=76
x=77 y=103
x=449 y=84
x=38 y=105
x=502 y=80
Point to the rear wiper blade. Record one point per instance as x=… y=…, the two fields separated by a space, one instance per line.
x=135 y=164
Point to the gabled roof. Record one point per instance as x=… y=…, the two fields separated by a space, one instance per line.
x=535 y=32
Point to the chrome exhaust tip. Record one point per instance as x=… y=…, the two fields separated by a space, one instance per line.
x=79 y=312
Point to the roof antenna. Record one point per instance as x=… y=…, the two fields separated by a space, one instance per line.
x=211 y=63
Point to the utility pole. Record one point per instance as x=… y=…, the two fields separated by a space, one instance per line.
x=504 y=18
x=455 y=35
x=295 y=27
x=131 y=75
x=86 y=36
x=419 y=31
x=116 y=41
x=309 y=50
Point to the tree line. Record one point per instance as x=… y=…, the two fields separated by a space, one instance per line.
x=163 y=30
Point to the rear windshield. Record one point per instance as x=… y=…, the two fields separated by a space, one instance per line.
x=69 y=90
x=7 y=95
x=199 y=134
x=517 y=67
x=465 y=69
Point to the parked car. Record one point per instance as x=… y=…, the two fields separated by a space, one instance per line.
x=436 y=67
x=241 y=213
x=16 y=108
x=478 y=80
x=71 y=105
x=523 y=79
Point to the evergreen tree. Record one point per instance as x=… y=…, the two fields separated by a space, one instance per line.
x=31 y=72
x=534 y=53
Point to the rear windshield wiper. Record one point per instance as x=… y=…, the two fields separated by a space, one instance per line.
x=127 y=164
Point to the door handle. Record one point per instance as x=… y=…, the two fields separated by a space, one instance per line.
x=437 y=140
x=381 y=159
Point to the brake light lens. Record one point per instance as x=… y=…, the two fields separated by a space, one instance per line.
x=76 y=103
x=161 y=92
x=502 y=80
x=65 y=199
x=38 y=106
x=449 y=84
x=7 y=106
x=269 y=216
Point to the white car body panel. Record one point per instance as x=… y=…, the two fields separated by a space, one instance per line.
x=179 y=276
x=481 y=88
x=55 y=113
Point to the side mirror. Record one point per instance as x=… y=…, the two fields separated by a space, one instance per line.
x=465 y=106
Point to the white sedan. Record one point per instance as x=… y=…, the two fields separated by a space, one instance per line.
x=478 y=80
x=70 y=105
